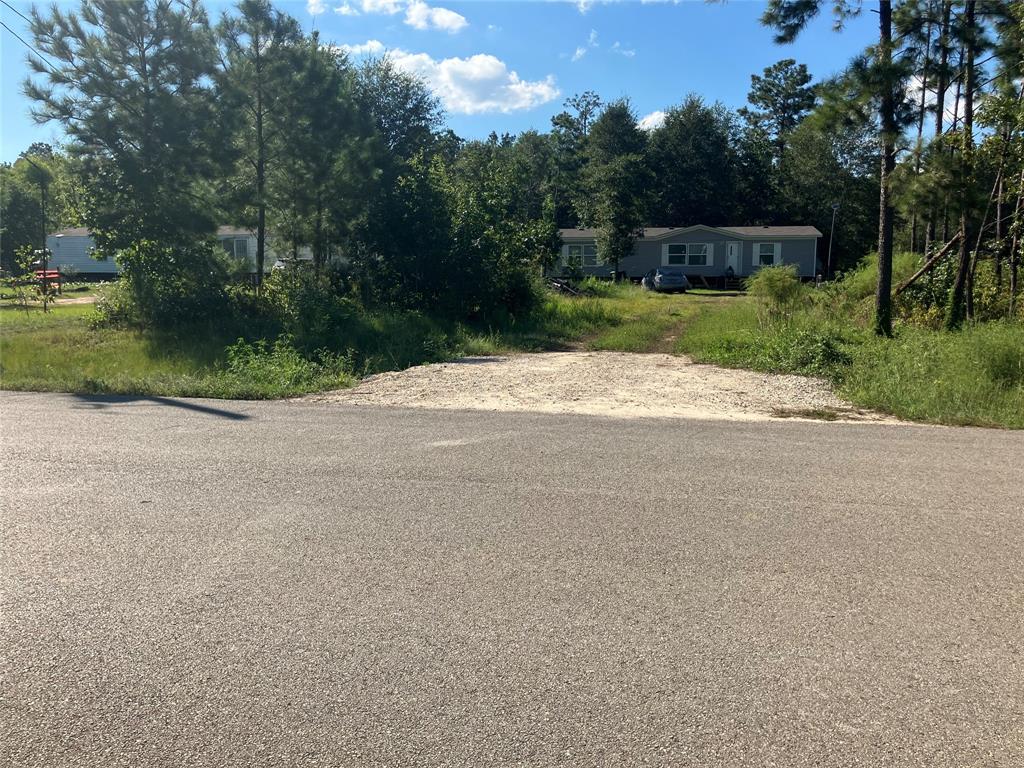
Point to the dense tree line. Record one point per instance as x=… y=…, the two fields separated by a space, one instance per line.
x=176 y=123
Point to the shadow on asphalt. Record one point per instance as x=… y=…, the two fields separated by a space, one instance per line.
x=108 y=401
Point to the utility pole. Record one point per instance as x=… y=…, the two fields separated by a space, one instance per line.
x=831 y=234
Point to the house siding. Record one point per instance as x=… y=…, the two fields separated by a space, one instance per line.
x=73 y=251
x=649 y=253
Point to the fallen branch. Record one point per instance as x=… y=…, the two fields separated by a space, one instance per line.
x=927 y=266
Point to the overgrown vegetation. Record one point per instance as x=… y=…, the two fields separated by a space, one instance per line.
x=298 y=341
x=974 y=376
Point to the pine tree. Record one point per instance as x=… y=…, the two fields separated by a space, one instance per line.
x=129 y=86
x=250 y=80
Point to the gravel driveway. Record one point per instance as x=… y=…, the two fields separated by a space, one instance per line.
x=603 y=384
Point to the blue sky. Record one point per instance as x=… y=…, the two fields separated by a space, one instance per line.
x=508 y=66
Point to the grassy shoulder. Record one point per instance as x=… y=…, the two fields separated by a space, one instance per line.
x=63 y=350
x=67 y=349
x=970 y=377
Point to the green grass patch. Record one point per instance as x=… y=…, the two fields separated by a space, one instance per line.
x=971 y=377
x=643 y=321
x=63 y=351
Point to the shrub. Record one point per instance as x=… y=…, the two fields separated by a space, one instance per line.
x=308 y=308
x=263 y=369
x=777 y=291
x=166 y=286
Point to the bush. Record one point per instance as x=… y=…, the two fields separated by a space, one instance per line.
x=167 y=286
x=260 y=369
x=308 y=308
x=777 y=290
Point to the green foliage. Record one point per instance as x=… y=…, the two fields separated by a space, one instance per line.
x=784 y=95
x=130 y=89
x=696 y=165
x=166 y=286
x=973 y=376
x=255 y=74
x=41 y=172
x=261 y=369
x=777 y=291
x=735 y=335
x=616 y=177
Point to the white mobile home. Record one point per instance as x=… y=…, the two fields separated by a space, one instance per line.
x=74 y=248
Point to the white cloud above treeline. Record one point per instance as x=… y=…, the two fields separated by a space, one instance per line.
x=467 y=86
x=477 y=84
x=652 y=121
x=418 y=13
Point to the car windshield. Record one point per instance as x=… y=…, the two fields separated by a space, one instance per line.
x=670 y=272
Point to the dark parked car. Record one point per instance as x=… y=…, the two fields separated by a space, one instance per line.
x=665 y=279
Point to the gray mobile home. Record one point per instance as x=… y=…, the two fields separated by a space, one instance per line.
x=700 y=251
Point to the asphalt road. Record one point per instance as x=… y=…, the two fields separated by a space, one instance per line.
x=198 y=583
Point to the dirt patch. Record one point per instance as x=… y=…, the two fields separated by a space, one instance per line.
x=601 y=383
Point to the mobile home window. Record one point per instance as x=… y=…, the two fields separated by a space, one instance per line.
x=688 y=254
x=768 y=254
x=236 y=246
x=586 y=255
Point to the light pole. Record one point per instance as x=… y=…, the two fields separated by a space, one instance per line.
x=831 y=234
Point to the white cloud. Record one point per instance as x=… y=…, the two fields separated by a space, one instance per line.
x=581 y=50
x=477 y=84
x=652 y=121
x=371 y=47
x=388 y=7
x=914 y=94
x=584 y=5
x=316 y=7
x=629 y=53
x=419 y=15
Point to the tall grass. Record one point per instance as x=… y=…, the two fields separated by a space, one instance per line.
x=974 y=376
x=66 y=350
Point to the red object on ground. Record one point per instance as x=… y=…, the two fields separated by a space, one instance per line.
x=50 y=275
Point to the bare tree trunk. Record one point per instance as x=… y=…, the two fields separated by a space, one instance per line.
x=928 y=266
x=886 y=215
x=1015 y=245
x=941 y=86
x=922 y=109
x=957 y=302
x=1000 y=244
x=261 y=173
